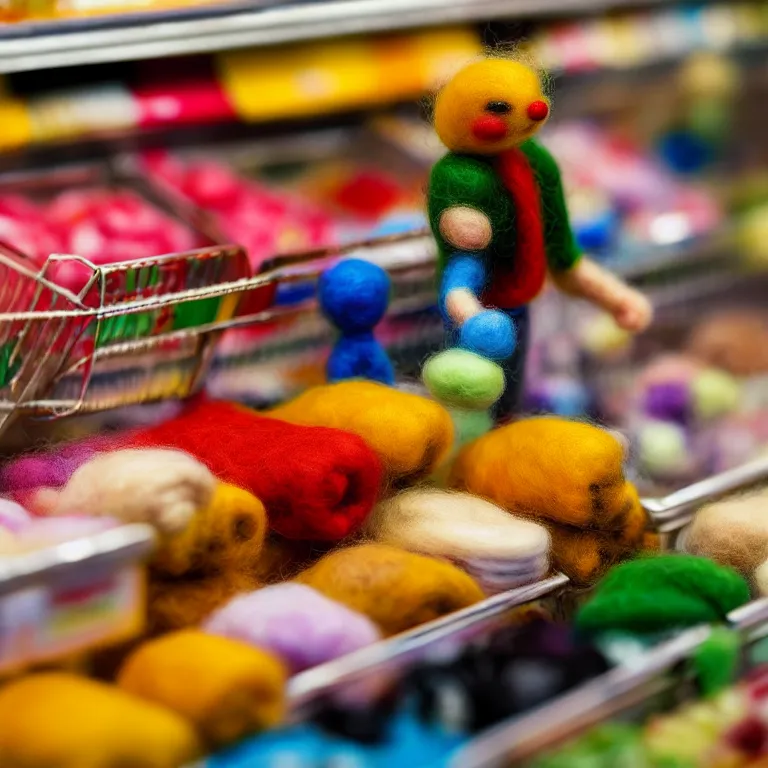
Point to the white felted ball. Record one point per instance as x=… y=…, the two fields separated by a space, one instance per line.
x=456 y=525
x=733 y=532
x=162 y=487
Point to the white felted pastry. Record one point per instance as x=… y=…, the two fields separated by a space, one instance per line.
x=162 y=487
x=480 y=536
x=733 y=532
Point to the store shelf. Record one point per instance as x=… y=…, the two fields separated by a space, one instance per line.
x=28 y=47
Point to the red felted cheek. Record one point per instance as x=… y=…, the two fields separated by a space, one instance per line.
x=489 y=128
x=538 y=111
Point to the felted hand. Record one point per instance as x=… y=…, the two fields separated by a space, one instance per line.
x=490 y=334
x=587 y=280
x=633 y=311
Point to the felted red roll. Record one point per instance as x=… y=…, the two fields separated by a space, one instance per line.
x=315 y=482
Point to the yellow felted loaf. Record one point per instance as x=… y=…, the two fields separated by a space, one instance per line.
x=228 y=533
x=585 y=554
x=226 y=688
x=552 y=469
x=410 y=434
x=397 y=589
x=58 y=720
x=178 y=603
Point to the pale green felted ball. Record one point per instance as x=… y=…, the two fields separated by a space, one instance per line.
x=663 y=448
x=715 y=393
x=469 y=425
x=463 y=379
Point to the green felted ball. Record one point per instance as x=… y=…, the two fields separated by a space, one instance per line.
x=652 y=594
x=663 y=448
x=463 y=379
x=715 y=393
x=716 y=660
x=469 y=425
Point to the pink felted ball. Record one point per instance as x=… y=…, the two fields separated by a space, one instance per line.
x=50 y=469
x=49 y=531
x=13 y=517
x=295 y=622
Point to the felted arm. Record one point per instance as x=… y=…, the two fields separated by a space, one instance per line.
x=572 y=273
x=587 y=280
x=464 y=277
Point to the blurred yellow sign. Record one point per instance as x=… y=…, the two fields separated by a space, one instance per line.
x=332 y=75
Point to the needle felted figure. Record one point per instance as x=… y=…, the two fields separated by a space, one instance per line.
x=498 y=213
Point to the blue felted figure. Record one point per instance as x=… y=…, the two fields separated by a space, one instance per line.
x=354 y=295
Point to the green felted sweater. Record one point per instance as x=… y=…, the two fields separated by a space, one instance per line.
x=473 y=181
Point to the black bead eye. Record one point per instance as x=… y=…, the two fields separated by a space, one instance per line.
x=498 y=107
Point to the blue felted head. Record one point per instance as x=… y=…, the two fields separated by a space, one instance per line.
x=354 y=295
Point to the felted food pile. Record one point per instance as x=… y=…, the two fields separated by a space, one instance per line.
x=290 y=537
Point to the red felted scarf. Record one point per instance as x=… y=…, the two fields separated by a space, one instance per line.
x=518 y=281
x=316 y=483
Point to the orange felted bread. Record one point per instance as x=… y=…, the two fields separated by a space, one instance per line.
x=226 y=688
x=410 y=433
x=58 y=720
x=188 y=601
x=549 y=468
x=227 y=534
x=397 y=589
x=585 y=555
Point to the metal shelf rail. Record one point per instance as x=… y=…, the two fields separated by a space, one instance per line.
x=37 y=46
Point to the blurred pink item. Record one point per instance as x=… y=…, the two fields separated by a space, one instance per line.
x=266 y=222
x=50 y=531
x=13 y=517
x=671 y=368
x=49 y=469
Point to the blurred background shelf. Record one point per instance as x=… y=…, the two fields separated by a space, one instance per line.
x=43 y=45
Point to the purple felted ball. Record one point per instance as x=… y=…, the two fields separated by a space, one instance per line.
x=295 y=622
x=51 y=469
x=670 y=401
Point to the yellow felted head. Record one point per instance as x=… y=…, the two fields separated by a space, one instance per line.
x=226 y=534
x=226 y=688
x=549 y=468
x=410 y=434
x=490 y=106
x=62 y=720
x=397 y=589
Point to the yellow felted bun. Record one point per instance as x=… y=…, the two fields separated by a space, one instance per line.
x=228 y=533
x=58 y=720
x=178 y=603
x=552 y=469
x=467 y=96
x=410 y=434
x=397 y=589
x=226 y=688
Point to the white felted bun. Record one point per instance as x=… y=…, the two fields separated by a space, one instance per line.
x=733 y=532
x=162 y=487
x=456 y=525
x=761 y=579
